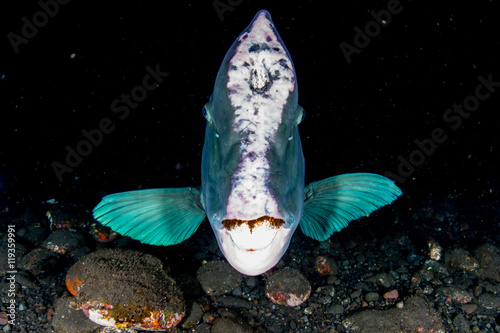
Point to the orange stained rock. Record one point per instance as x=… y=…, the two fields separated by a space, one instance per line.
x=73 y=285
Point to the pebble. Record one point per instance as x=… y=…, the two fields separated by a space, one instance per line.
x=325 y=300
x=428 y=290
x=417 y=316
x=330 y=290
x=326 y=265
x=225 y=325
x=488 y=256
x=469 y=308
x=456 y=293
x=287 y=286
x=426 y=275
x=26 y=279
x=36 y=234
x=414 y=259
x=208 y=317
x=361 y=286
x=435 y=250
x=194 y=315
x=336 y=309
x=461 y=260
x=234 y=302
x=68 y=319
x=218 y=277
x=489 y=287
x=332 y=280
x=64 y=242
x=391 y=294
x=383 y=279
x=461 y=324
x=237 y=291
x=43 y=263
x=371 y=297
x=252 y=281
x=436 y=267
x=489 y=301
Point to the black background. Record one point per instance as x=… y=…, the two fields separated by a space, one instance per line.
x=359 y=116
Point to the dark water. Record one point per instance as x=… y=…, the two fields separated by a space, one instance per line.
x=360 y=116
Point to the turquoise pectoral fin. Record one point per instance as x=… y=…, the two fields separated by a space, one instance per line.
x=163 y=216
x=330 y=204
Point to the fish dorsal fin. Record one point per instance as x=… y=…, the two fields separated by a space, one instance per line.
x=163 y=216
x=330 y=204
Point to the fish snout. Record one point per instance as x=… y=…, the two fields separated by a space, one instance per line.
x=254 y=246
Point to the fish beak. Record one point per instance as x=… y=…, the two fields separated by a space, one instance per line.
x=253 y=247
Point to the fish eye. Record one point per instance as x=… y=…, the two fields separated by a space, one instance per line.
x=204 y=112
x=302 y=115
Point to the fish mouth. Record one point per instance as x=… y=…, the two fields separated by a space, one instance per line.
x=254 y=246
x=253 y=235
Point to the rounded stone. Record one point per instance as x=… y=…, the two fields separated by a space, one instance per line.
x=43 y=263
x=371 y=297
x=126 y=288
x=287 y=287
x=63 y=242
x=218 y=277
x=461 y=260
x=326 y=266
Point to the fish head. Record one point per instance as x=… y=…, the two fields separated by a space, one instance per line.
x=252 y=163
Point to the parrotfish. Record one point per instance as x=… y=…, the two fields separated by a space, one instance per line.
x=252 y=171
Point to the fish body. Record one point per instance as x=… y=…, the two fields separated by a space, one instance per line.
x=252 y=162
x=252 y=171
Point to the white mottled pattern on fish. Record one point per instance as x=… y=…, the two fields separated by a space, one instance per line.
x=260 y=80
